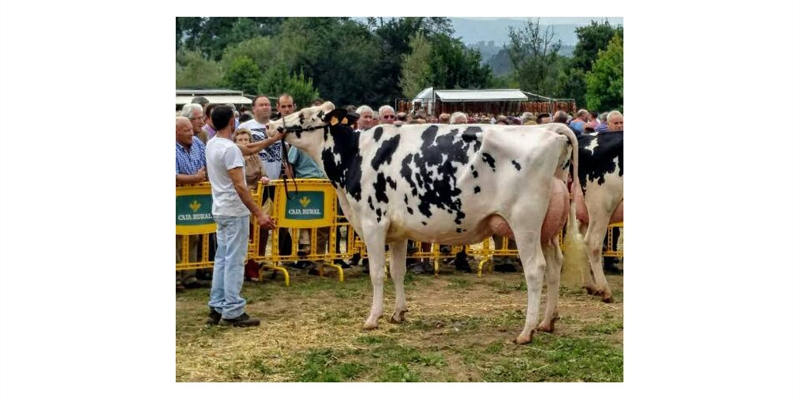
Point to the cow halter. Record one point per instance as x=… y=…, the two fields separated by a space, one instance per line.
x=284 y=152
x=298 y=129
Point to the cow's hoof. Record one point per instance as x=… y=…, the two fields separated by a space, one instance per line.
x=608 y=297
x=398 y=317
x=368 y=326
x=547 y=327
x=523 y=339
x=591 y=290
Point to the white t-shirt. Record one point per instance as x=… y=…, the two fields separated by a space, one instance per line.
x=271 y=156
x=223 y=155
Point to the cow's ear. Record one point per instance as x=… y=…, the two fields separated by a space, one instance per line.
x=337 y=116
x=352 y=117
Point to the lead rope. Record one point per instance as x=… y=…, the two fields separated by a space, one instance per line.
x=285 y=158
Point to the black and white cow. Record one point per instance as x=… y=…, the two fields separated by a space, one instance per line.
x=599 y=202
x=451 y=184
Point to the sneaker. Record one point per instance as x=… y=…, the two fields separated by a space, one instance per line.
x=213 y=317
x=241 y=321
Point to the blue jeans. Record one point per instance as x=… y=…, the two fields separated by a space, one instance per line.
x=226 y=283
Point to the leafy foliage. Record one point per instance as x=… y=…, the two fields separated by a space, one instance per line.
x=416 y=72
x=533 y=52
x=604 y=81
x=280 y=79
x=193 y=71
x=243 y=75
x=377 y=61
x=592 y=39
x=455 y=66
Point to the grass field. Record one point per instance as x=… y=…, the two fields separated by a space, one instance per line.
x=459 y=328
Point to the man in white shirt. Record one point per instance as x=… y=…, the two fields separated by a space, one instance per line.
x=271 y=156
x=231 y=208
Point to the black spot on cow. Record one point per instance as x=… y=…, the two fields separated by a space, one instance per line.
x=471 y=134
x=405 y=198
x=380 y=189
x=474 y=174
x=487 y=158
x=410 y=210
x=346 y=173
x=377 y=133
x=477 y=189
x=369 y=201
x=594 y=165
x=516 y=165
x=439 y=155
x=385 y=152
x=424 y=223
x=379 y=214
x=459 y=230
x=392 y=183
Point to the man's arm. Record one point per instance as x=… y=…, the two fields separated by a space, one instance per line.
x=253 y=148
x=237 y=176
x=183 y=179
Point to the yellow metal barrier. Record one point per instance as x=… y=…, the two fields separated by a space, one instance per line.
x=611 y=250
x=312 y=207
x=194 y=226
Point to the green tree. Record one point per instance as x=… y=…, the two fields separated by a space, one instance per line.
x=280 y=79
x=340 y=55
x=604 y=81
x=415 y=72
x=193 y=71
x=262 y=50
x=533 y=52
x=455 y=66
x=243 y=75
x=211 y=36
x=592 y=39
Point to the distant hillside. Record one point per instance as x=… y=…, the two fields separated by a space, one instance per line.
x=473 y=31
x=497 y=58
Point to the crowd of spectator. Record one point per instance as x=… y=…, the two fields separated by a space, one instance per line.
x=199 y=123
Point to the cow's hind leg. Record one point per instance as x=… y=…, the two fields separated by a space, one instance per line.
x=554 y=259
x=375 y=241
x=594 y=245
x=533 y=264
x=397 y=266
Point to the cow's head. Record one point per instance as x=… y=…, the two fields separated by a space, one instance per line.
x=304 y=128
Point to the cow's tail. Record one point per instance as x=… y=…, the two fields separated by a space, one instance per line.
x=576 y=259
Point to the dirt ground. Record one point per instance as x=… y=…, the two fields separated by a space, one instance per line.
x=459 y=327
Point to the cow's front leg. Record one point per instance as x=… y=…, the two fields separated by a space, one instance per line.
x=375 y=241
x=554 y=259
x=397 y=266
x=533 y=264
